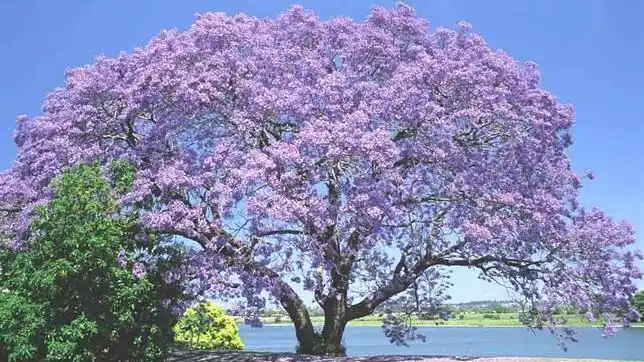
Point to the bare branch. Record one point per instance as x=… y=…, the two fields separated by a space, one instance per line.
x=279 y=232
x=400 y=283
x=108 y=137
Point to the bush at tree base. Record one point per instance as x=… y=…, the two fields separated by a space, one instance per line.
x=70 y=293
x=206 y=326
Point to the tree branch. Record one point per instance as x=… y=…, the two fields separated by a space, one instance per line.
x=398 y=283
x=279 y=232
x=9 y=208
x=288 y=298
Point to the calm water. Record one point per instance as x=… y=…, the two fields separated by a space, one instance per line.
x=363 y=341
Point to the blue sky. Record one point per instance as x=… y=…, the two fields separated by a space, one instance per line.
x=590 y=53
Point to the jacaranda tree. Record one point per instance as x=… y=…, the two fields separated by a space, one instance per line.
x=359 y=159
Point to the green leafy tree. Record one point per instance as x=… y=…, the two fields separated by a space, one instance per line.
x=77 y=292
x=638 y=302
x=498 y=308
x=205 y=326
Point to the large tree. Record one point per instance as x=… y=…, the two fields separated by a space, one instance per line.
x=360 y=159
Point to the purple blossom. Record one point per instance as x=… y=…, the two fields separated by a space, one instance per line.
x=166 y=303
x=143 y=239
x=399 y=331
x=121 y=259
x=144 y=257
x=139 y=270
x=177 y=309
x=171 y=276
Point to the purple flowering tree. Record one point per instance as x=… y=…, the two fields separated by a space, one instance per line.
x=359 y=159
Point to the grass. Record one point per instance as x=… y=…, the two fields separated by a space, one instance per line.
x=468 y=320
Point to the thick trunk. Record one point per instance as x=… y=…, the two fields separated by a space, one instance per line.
x=300 y=317
x=335 y=321
x=333 y=332
x=328 y=342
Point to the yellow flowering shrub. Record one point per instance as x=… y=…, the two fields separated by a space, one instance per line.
x=205 y=326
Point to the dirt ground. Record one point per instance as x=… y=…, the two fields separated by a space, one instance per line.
x=205 y=356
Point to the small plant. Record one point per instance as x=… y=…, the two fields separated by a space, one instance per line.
x=205 y=326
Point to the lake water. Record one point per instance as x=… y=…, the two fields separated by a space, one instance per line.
x=520 y=342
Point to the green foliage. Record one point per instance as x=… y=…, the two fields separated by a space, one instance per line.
x=638 y=302
x=501 y=309
x=122 y=176
x=205 y=326
x=67 y=298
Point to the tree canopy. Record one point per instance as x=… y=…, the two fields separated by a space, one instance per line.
x=358 y=159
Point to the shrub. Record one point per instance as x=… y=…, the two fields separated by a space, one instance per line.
x=491 y=316
x=66 y=296
x=501 y=309
x=205 y=326
x=426 y=316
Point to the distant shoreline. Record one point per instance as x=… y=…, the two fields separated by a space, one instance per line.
x=373 y=323
x=462 y=320
x=442 y=326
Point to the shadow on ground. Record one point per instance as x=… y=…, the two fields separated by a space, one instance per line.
x=217 y=356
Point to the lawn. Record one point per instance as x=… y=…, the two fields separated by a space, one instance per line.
x=467 y=320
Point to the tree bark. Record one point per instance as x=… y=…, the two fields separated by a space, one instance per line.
x=300 y=317
x=335 y=321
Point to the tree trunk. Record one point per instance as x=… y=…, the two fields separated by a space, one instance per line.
x=335 y=321
x=328 y=342
x=300 y=317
